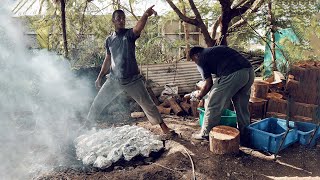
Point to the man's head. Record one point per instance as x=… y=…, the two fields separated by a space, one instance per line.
x=119 y=19
x=194 y=53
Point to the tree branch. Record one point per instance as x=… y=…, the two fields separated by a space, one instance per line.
x=215 y=26
x=195 y=10
x=204 y=29
x=182 y=16
x=130 y=11
x=225 y=4
x=239 y=4
x=241 y=10
x=242 y=21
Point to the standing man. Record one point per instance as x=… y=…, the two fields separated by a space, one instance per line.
x=235 y=75
x=124 y=74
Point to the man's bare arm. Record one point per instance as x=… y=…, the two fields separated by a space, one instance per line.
x=206 y=88
x=104 y=69
x=143 y=20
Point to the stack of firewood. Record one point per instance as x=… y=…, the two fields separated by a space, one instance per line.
x=180 y=106
x=303 y=89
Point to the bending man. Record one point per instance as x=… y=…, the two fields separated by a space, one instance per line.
x=235 y=75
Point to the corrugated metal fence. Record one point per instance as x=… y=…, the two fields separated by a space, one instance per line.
x=182 y=74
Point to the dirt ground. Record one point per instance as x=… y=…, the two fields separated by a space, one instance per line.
x=294 y=162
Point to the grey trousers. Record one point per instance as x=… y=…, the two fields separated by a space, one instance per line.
x=237 y=87
x=136 y=89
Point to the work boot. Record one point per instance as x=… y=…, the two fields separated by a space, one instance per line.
x=200 y=137
x=170 y=135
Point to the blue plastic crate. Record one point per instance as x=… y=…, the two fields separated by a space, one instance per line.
x=267 y=134
x=305 y=131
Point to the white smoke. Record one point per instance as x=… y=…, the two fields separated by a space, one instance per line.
x=41 y=105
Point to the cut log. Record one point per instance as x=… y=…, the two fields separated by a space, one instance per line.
x=292 y=84
x=224 y=140
x=164 y=110
x=175 y=106
x=293 y=88
x=274 y=95
x=260 y=89
x=137 y=114
x=186 y=107
x=277 y=105
x=165 y=104
x=301 y=118
x=297 y=72
x=201 y=103
x=257 y=108
x=186 y=99
x=303 y=109
x=276 y=115
x=194 y=108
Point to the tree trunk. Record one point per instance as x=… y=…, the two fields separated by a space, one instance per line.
x=186 y=32
x=63 y=25
x=225 y=20
x=224 y=140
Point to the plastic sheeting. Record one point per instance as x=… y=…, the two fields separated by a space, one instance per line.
x=104 y=147
x=280 y=59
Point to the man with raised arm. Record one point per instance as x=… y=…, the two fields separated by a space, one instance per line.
x=124 y=73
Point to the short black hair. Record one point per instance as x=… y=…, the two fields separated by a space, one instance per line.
x=118 y=11
x=195 y=50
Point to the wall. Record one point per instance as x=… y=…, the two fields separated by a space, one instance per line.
x=183 y=74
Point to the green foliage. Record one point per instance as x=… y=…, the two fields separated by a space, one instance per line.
x=152 y=47
x=301 y=17
x=85 y=33
x=298 y=15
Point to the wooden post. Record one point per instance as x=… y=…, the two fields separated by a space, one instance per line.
x=224 y=140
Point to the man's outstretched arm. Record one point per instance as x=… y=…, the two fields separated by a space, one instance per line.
x=143 y=20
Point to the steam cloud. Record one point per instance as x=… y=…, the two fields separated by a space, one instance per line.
x=41 y=102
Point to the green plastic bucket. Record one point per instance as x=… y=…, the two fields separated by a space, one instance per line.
x=228 y=117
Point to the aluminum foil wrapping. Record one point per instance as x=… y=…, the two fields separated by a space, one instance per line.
x=104 y=147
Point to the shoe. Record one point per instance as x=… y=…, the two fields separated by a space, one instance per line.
x=200 y=137
x=170 y=135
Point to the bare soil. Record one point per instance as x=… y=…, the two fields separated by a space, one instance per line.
x=296 y=161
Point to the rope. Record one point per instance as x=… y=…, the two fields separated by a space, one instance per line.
x=193 y=171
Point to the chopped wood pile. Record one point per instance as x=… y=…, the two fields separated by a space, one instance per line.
x=302 y=86
x=180 y=106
